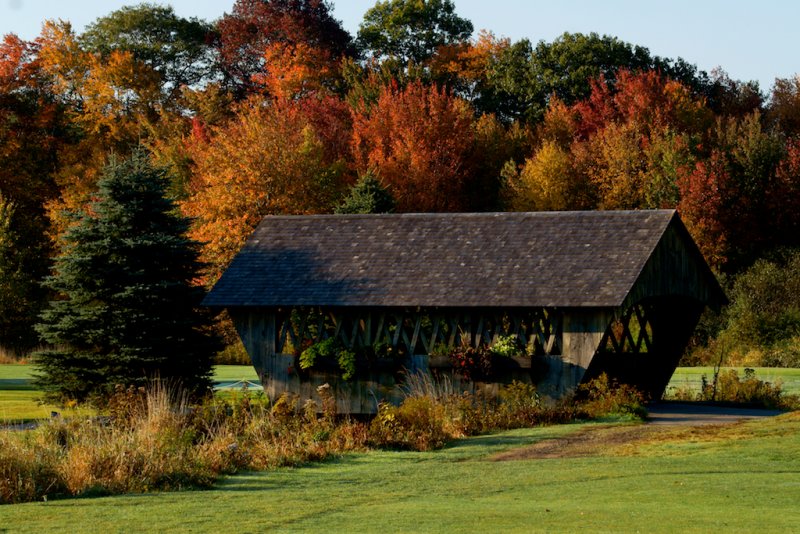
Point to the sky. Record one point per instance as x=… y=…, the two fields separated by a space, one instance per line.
x=750 y=40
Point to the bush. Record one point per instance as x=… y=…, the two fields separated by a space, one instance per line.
x=521 y=405
x=762 y=323
x=417 y=424
x=329 y=353
x=472 y=363
x=507 y=346
x=153 y=440
x=602 y=397
x=784 y=353
x=728 y=386
x=433 y=414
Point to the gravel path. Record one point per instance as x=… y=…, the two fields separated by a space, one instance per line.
x=668 y=413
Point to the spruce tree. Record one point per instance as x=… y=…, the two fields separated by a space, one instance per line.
x=367 y=196
x=127 y=311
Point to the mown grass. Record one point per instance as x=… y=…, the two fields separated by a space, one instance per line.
x=19 y=399
x=743 y=478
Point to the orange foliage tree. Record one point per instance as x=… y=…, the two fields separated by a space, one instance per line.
x=422 y=144
x=269 y=159
x=248 y=32
x=297 y=70
x=109 y=103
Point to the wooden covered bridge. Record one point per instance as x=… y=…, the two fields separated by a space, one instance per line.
x=618 y=292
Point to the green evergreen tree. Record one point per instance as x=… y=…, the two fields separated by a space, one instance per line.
x=367 y=196
x=127 y=311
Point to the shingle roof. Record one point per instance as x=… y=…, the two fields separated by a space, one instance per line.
x=558 y=259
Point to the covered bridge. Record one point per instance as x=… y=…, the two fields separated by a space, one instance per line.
x=584 y=293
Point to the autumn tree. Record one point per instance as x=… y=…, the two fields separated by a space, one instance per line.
x=525 y=77
x=253 y=26
x=784 y=105
x=271 y=158
x=464 y=67
x=32 y=125
x=127 y=311
x=420 y=142
x=179 y=50
x=783 y=195
x=410 y=30
x=109 y=103
x=21 y=296
x=298 y=70
x=727 y=199
x=728 y=97
x=548 y=181
x=623 y=147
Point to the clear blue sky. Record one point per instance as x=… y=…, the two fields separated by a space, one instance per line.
x=751 y=40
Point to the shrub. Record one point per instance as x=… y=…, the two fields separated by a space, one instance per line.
x=153 y=440
x=728 y=386
x=27 y=469
x=521 y=404
x=328 y=353
x=472 y=363
x=762 y=322
x=784 y=353
x=507 y=346
x=601 y=397
x=417 y=424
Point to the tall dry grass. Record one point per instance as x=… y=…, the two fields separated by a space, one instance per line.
x=8 y=356
x=155 y=440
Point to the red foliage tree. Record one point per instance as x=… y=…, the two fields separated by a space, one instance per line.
x=253 y=25
x=420 y=142
x=784 y=196
x=702 y=206
x=31 y=122
x=648 y=98
x=742 y=200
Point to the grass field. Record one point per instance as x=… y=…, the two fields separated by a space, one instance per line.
x=741 y=478
x=744 y=478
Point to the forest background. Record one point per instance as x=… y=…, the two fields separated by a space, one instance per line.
x=276 y=109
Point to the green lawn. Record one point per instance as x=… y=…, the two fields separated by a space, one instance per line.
x=746 y=481
x=235 y=373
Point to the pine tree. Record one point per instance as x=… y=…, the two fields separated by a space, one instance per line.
x=367 y=196
x=127 y=311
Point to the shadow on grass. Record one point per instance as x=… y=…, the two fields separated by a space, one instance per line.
x=16 y=384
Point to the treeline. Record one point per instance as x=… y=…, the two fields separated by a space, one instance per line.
x=275 y=108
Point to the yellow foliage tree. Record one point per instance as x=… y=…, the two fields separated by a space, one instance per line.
x=548 y=181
